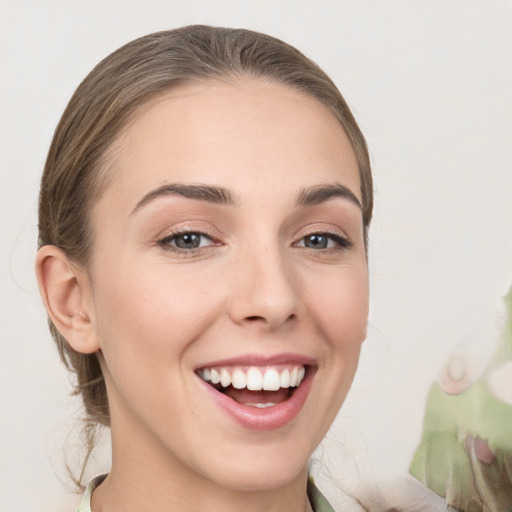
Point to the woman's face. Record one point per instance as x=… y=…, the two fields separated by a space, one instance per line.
x=229 y=245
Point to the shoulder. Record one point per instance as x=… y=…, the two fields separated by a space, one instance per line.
x=319 y=502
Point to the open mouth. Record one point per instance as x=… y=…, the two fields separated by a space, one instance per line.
x=253 y=386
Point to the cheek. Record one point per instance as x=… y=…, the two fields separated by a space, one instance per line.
x=151 y=312
x=339 y=302
x=147 y=323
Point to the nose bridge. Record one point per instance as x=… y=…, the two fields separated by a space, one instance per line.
x=265 y=286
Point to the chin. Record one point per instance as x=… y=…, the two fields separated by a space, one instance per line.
x=247 y=476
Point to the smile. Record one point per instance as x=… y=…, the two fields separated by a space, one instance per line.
x=259 y=396
x=255 y=379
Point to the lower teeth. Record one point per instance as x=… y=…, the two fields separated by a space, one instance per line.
x=261 y=406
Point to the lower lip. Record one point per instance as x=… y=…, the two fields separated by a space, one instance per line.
x=269 y=418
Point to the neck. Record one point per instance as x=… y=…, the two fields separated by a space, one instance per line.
x=126 y=490
x=144 y=476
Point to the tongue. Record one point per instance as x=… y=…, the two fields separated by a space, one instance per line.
x=246 y=397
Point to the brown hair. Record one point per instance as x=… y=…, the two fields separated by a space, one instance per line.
x=74 y=175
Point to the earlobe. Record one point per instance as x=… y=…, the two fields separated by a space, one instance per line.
x=65 y=293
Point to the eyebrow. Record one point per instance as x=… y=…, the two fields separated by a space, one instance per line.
x=222 y=196
x=207 y=193
x=321 y=193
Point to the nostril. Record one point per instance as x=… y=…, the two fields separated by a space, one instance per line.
x=255 y=318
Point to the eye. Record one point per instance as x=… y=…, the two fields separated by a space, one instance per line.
x=187 y=241
x=324 y=241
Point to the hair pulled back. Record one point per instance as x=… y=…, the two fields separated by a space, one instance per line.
x=75 y=171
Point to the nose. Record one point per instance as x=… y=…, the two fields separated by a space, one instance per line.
x=264 y=290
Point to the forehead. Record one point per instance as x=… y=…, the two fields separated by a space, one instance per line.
x=237 y=133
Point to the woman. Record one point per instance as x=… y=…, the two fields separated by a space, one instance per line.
x=203 y=218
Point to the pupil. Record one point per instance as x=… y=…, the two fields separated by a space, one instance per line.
x=188 y=241
x=316 y=241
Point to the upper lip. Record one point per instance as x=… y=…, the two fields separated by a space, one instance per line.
x=261 y=360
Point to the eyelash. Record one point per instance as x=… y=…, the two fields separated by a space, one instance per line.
x=341 y=243
x=165 y=242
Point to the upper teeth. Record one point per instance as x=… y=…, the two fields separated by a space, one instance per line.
x=255 y=379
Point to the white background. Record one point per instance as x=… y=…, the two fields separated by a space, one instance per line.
x=430 y=83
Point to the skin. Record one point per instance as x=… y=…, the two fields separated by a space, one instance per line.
x=253 y=287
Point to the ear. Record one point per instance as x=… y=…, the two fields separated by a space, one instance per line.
x=65 y=291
